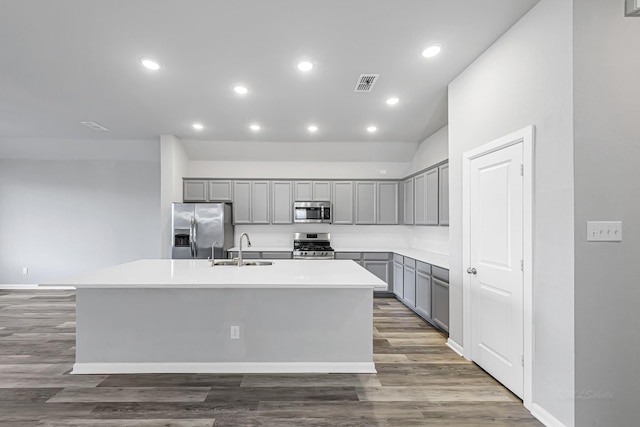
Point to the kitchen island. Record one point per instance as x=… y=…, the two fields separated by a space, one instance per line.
x=184 y=316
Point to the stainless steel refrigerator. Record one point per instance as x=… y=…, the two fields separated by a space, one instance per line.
x=197 y=226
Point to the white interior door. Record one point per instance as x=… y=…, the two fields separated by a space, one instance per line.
x=496 y=254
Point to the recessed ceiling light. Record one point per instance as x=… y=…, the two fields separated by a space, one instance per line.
x=241 y=90
x=254 y=127
x=312 y=128
x=198 y=126
x=305 y=65
x=392 y=101
x=431 y=50
x=372 y=129
x=150 y=64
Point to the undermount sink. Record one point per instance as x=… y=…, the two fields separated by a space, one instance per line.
x=257 y=263
x=225 y=262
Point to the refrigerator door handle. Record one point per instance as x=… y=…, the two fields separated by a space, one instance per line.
x=195 y=238
x=192 y=237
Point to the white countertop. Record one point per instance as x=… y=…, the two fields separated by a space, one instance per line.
x=433 y=258
x=162 y=273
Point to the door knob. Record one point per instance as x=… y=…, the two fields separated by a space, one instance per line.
x=471 y=270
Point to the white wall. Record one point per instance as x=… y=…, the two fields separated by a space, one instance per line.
x=71 y=206
x=297 y=170
x=174 y=165
x=431 y=151
x=526 y=78
x=607 y=151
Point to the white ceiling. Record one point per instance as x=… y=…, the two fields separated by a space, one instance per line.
x=68 y=61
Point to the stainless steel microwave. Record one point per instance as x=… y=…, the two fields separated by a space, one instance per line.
x=312 y=212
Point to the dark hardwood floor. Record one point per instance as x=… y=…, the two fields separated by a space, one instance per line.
x=420 y=382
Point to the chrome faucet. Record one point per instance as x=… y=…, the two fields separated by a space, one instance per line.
x=240 y=248
x=213 y=253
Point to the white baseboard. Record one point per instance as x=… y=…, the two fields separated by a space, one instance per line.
x=226 y=368
x=544 y=417
x=455 y=347
x=36 y=287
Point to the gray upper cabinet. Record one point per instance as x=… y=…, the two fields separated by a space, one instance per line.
x=407 y=186
x=342 y=202
x=366 y=205
x=318 y=191
x=194 y=190
x=251 y=202
x=387 y=202
x=220 y=191
x=260 y=202
x=419 y=199
x=242 y=202
x=281 y=202
x=303 y=191
x=321 y=191
x=431 y=197
x=425 y=199
x=444 y=194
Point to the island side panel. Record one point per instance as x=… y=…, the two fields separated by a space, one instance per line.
x=186 y=325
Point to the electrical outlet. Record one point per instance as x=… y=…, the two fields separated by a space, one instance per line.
x=235 y=332
x=604 y=231
x=25 y=270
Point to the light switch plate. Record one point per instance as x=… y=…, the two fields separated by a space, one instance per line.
x=604 y=231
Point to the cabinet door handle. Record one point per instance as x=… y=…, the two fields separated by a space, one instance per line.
x=471 y=270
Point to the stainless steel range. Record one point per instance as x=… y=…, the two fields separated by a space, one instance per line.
x=312 y=246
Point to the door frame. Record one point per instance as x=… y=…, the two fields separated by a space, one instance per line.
x=526 y=137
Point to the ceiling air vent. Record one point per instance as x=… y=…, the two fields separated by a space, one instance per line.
x=365 y=82
x=95 y=126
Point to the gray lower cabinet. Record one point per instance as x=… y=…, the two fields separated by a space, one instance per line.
x=423 y=290
x=398 y=276
x=354 y=256
x=342 y=202
x=440 y=298
x=409 y=282
x=194 y=190
x=380 y=264
x=281 y=202
x=262 y=255
x=245 y=255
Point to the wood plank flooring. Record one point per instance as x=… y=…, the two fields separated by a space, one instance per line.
x=420 y=382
